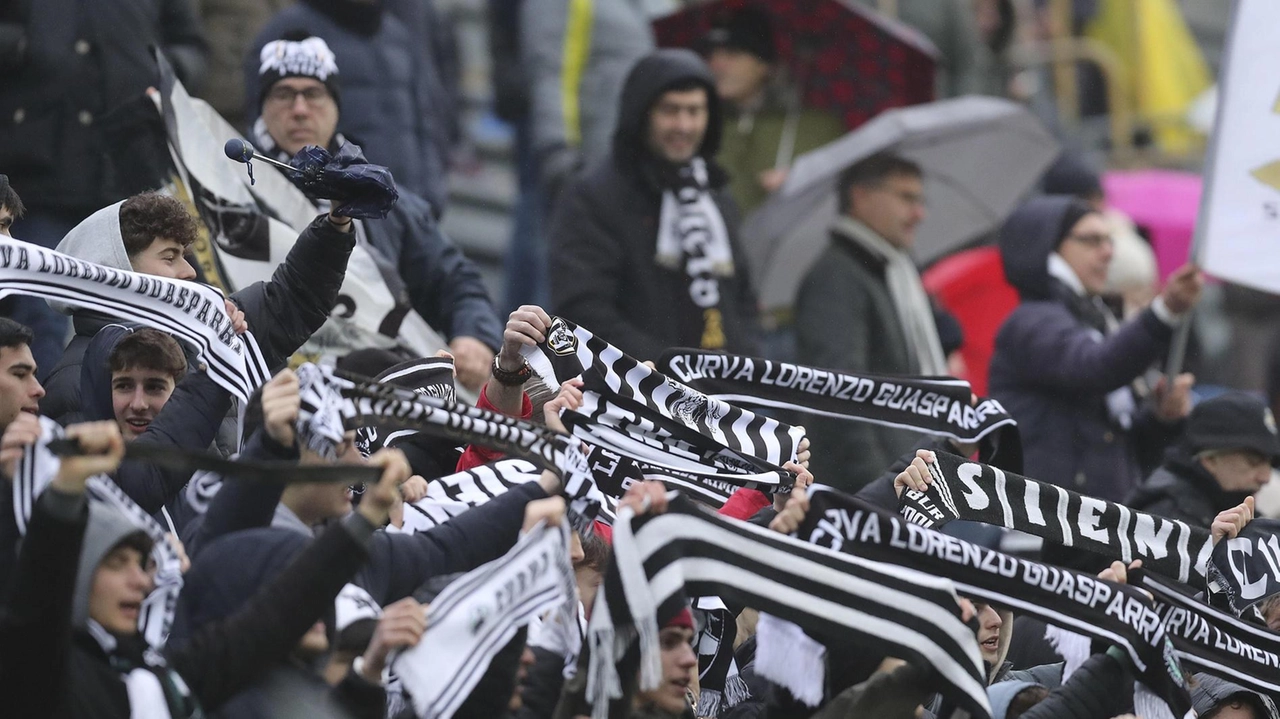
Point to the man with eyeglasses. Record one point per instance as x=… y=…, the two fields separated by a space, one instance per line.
x=862 y=308
x=1068 y=370
x=301 y=105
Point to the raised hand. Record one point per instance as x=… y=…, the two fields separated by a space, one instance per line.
x=280 y=404
x=1229 y=522
x=103 y=449
x=379 y=498
x=401 y=625
x=916 y=476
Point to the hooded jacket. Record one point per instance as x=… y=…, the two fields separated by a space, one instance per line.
x=282 y=313
x=1210 y=692
x=1183 y=489
x=226 y=578
x=1053 y=367
x=50 y=667
x=190 y=419
x=605 y=228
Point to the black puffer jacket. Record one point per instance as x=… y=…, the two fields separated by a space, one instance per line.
x=605 y=228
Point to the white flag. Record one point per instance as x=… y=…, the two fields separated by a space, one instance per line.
x=1241 y=227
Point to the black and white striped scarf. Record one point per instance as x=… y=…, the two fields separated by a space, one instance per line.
x=188 y=311
x=1113 y=613
x=480 y=612
x=36 y=470
x=689 y=550
x=331 y=404
x=931 y=405
x=641 y=413
x=981 y=493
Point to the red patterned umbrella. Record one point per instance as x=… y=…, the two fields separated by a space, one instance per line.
x=847 y=59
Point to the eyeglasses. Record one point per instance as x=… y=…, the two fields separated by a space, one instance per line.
x=286 y=96
x=1092 y=240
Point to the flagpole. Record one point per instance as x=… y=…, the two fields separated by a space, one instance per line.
x=1182 y=335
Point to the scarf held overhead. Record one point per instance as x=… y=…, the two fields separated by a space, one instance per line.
x=1246 y=568
x=981 y=493
x=671 y=419
x=1113 y=613
x=186 y=310
x=689 y=549
x=480 y=612
x=1216 y=642
x=331 y=404
x=937 y=406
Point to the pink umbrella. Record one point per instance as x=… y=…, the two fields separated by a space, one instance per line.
x=1163 y=203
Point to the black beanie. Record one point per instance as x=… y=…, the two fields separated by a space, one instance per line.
x=297 y=54
x=749 y=30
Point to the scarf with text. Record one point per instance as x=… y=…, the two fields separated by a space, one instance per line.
x=1246 y=568
x=693 y=238
x=1105 y=611
x=931 y=405
x=480 y=612
x=330 y=404
x=37 y=469
x=188 y=311
x=639 y=412
x=1216 y=642
x=720 y=683
x=962 y=489
x=657 y=559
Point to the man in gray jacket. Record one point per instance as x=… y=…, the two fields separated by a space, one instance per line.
x=862 y=308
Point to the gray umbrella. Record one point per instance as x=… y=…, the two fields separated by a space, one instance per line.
x=980 y=155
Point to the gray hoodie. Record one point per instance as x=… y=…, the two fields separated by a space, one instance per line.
x=108 y=528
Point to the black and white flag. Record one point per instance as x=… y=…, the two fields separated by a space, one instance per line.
x=1113 y=613
x=1212 y=641
x=188 y=311
x=36 y=470
x=691 y=551
x=1246 y=568
x=642 y=413
x=962 y=489
x=931 y=405
x=480 y=612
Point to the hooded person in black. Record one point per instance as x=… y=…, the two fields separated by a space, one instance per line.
x=1065 y=368
x=1225 y=456
x=644 y=250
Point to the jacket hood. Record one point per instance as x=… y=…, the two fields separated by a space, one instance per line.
x=1029 y=236
x=229 y=571
x=1210 y=692
x=96 y=239
x=1002 y=694
x=107 y=528
x=648 y=79
x=95 y=374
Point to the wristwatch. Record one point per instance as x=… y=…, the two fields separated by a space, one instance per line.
x=510 y=378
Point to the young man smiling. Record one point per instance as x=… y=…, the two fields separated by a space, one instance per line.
x=146 y=366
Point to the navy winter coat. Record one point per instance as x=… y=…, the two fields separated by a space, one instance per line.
x=1053 y=368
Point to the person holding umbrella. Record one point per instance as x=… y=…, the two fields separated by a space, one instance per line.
x=862 y=308
x=764 y=125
